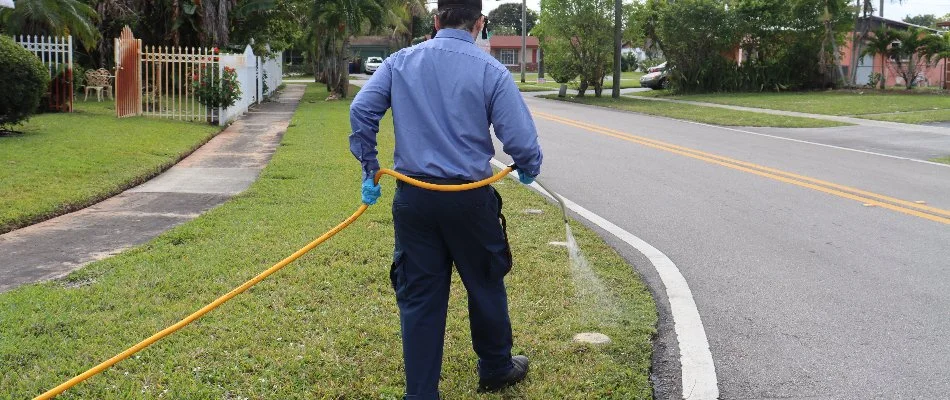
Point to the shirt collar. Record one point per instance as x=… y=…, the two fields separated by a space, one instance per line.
x=455 y=34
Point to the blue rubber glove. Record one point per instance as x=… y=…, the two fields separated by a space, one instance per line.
x=525 y=178
x=371 y=192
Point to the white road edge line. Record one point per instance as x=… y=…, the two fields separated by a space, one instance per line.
x=697 y=368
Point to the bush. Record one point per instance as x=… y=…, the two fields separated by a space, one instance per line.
x=79 y=76
x=561 y=66
x=629 y=63
x=24 y=80
x=785 y=44
x=214 y=89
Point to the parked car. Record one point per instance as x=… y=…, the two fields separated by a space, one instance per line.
x=372 y=63
x=656 y=78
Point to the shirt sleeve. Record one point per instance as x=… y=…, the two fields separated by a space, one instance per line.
x=367 y=109
x=514 y=125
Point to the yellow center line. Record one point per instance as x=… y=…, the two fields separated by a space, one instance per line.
x=771 y=173
x=905 y=203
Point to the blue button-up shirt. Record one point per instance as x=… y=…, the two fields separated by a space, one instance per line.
x=444 y=94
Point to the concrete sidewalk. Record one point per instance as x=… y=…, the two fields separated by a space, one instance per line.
x=222 y=168
x=851 y=120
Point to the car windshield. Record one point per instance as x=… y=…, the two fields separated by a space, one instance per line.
x=374 y=60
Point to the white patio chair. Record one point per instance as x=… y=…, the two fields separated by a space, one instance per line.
x=96 y=81
x=108 y=81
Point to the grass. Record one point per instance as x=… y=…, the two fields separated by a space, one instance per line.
x=326 y=327
x=628 y=80
x=944 y=160
x=709 y=115
x=913 y=117
x=838 y=102
x=64 y=162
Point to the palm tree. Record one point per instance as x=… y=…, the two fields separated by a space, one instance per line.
x=864 y=10
x=909 y=53
x=400 y=16
x=938 y=49
x=334 y=22
x=880 y=43
x=53 y=17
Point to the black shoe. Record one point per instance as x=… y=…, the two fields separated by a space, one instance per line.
x=517 y=374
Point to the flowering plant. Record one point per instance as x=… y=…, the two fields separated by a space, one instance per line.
x=216 y=89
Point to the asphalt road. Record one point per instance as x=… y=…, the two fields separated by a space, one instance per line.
x=812 y=285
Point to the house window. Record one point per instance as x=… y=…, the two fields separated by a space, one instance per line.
x=508 y=56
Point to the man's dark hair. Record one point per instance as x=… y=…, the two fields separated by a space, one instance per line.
x=459 y=18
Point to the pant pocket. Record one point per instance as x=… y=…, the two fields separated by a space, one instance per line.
x=501 y=257
x=501 y=262
x=395 y=272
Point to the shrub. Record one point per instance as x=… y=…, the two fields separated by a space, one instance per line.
x=629 y=63
x=24 y=80
x=216 y=90
x=561 y=66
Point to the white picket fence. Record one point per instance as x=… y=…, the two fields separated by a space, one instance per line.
x=250 y=75
x=55 y=52
x=161 y=79
x=274 y=68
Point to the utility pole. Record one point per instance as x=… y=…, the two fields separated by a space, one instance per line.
x=882 y=8
x=618 y=33
x=524 y=37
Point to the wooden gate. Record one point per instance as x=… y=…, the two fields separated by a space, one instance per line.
x=56 y=53
x=157 y=80
x=128 y=76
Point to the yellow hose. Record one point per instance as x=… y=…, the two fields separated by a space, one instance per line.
x=260 y=277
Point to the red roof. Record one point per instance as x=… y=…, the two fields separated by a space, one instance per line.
x=499 y=41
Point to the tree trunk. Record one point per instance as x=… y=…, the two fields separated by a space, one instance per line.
x=344 y=85
x=883 y=77
x=911 y=73
x=582 y=88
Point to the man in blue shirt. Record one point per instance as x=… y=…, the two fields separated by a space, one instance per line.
x=445 y=94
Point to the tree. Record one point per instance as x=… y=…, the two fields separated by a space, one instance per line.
x=506 y=19
x=52 y=17
x=559 y=60
x=910 y=53
x=937 y=49
x=584 y=28
x=927 y=20
x=400 y=19
x=880 y=44
x=864 y=10
x=334 y=22
x=784 y=44
x=277 y=23
x=423 y=25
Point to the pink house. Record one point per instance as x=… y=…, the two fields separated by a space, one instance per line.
x=932 y=75
x=507 y=49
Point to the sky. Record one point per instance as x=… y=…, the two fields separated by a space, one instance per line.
x=892 y=10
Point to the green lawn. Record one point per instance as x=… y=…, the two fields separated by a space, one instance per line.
x=913 y=117
x=839 y=102
x=628 y=80
x=709 y=115
x=945 y=160
x=63 y=162
x=326 y=327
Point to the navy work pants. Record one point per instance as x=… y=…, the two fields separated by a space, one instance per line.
x=433 y=231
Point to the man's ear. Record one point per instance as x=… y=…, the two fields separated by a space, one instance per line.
x=435 y=22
